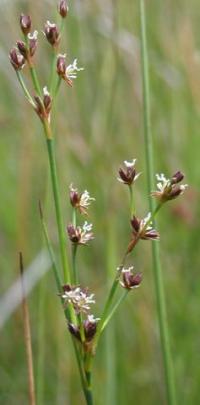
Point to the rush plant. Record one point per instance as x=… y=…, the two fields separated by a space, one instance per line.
x=84 y=326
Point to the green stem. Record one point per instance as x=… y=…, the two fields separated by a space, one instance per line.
x=51 y=253
x=24 y=88
x=61 y=232
x=112 y=312
x=35 y=81
x=158 y=277
x=132 y=208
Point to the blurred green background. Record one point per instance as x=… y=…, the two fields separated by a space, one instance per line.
x=99 y=124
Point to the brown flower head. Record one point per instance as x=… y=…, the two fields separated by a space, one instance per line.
x=168 y=189
x=52 y=34
x=67 y=73
x=129 y=279
x=16 y=59
x=33 y=42
x=80 y=235
x=63 y=8
x=128 y=174
x=43 y=107
x=81 y=201
x=25 y=23
x=89 y=325
x=142 y=229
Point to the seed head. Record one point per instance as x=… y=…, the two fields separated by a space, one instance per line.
x=52 y=34
x=128 y=174
x=63 y=8
x=129 y=279
x=25 y=23
x=16 y=59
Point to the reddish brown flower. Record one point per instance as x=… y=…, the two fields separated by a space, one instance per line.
x=129 y=279
x=128 y=175
x=52 y=34
x=43 y=107
x=25 y=23
x=80 y=236
x=16 y=59
x=63 y=8
x=168 y=189
x=81 y=201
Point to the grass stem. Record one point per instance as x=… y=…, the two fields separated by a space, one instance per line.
x=158 y=277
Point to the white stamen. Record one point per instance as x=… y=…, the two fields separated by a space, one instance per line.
x=34 y=35
x=130 y=164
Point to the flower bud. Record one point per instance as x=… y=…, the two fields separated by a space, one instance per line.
x=61 y=65
x=63 y=8
x=47 y=100
x=52 y=34
x=177 y=177
x=22 y=48
x=16 y=59
x=33 y=42
x=90 y=327
x=25 y=23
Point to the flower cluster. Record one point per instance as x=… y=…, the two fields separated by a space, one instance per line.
x=67 y=73
x=89 y=327
x=81 y=201
x=80 y=235
x=168 y=189
x=52 y=34
x=128 y=175
x=43 y=106
x=129 y=279
x=78 y=297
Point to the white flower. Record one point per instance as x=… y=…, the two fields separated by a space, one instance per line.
x=79 y=299
x=72 y=69
x=45 y=91
x=34 y=35
x=163 y=182
x=92 y=319
x=85 y=199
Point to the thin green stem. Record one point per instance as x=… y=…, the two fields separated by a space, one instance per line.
x=74 y=268
x=35 y=81
x=132 y=208
x=24 y=88
x=50 y=250
x=158 y=277
x=61 y=232
x=113 y=310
